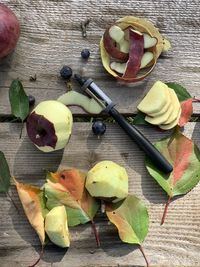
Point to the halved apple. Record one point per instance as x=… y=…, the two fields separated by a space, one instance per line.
x=155 y=99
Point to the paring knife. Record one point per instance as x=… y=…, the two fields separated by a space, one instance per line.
x=88 y=86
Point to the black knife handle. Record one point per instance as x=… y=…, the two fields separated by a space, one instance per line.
x=157 y=158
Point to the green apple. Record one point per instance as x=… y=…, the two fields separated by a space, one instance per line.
x=56 y=226
x=49 y=125
x=107 y=180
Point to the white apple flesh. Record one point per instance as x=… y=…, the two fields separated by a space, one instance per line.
x=49 y=125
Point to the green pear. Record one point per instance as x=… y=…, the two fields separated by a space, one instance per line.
x=56 y=226
x=107 y=180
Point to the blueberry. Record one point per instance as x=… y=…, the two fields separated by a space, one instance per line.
x=98 y=127
x=85 y=53
x=66 y=72
x=31 y=100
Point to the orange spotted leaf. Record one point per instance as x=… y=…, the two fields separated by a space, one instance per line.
x=68 y=188
x=130 y=216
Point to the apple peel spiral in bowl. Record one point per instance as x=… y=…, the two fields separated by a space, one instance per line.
x=130 y=48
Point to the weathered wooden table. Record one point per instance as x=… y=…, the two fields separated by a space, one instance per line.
x=50 y=38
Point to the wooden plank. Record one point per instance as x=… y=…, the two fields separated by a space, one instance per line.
x=51 y=37
x=176 y=243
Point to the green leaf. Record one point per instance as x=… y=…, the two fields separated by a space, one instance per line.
x=140 y=119
x=180 y=91
x=4 y=174
x=184 y=156
x=131 y=218
x=68 y=188
x=18 y=100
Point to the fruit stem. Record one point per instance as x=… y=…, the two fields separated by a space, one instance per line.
x=95 y=233
x=40 y=256
x=165 y=210
x=195 y=99
x=142 y=251
x=9 y=196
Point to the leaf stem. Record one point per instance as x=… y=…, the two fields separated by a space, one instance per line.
x=22 y=126
x=9 y=196
x=103 y=206
x=194 y=99
x=165 y=210
x=142 y=251
x=95 y=233
x=40 y=256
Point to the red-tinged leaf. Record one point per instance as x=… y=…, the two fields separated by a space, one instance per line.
x=68 y=188
x=74 y=181
x=32 y=199
x=111 y=49
x=186 y=113
x=136 y=52
x=130 y=216
x=184 y=156
x=185 y=100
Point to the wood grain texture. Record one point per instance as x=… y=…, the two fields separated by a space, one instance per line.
x=176 y=243
x=51 y=37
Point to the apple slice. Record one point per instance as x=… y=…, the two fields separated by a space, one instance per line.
x=117 y=34
x=111 y=49
x=118 y=67
x=163 y=110
x=176 y=107
x=155 y=99
x=172 y=124
x=146 y=59
x=56 y=226
x=149 y=41
x=136 y=53
x=160 y=119
x=73 y=98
